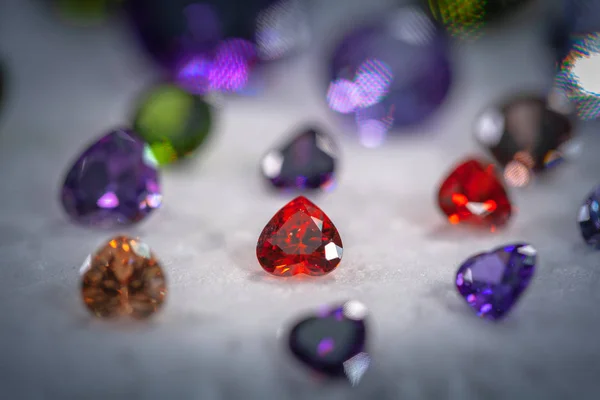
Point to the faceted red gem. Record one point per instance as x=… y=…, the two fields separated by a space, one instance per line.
x=299 y=239
x=473 y=193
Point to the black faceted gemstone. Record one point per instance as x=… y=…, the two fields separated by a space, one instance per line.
x=306 y=161
x=589 y=218
x=326 y=341
x=529 y=130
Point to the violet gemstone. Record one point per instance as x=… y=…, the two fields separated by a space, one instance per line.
x=589 y=219
x=186 y=36
x=332 y=341
x=114 y=182
x=392 y=73
x=306 y=161
x=492 y=282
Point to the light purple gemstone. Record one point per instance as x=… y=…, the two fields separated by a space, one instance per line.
x=493 y=282
x=395 y=72
x=114 y=182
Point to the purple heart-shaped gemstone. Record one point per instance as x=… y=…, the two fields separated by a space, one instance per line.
x=492 y=282
x=333 y=341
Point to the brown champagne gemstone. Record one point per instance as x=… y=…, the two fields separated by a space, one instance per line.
x=527 y=134
x=123 y=278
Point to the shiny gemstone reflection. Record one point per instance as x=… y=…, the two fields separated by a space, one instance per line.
x=331 y=344
x=299 y=239
x=492 y=282
x=114 y=182
x=123 y=278
x=307 y=161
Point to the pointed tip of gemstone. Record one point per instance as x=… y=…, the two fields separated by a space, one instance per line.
x=299 y=239
x=113 y=182
x=493 y=282
x=307 y=161
x=331 y=343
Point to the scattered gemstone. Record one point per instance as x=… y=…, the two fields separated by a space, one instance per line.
x=466 y=18
x=526 y=134
x=186 y=36
x=492 y=282
x=299 y=239
x=114 y=182
x=173 y=122
x=589 y=218
x=396 y=70
x=333 y=342
x=578 y=75
x=473 y=193
x=123 y=278
x=306 y=161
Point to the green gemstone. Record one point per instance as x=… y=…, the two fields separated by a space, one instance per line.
x=87 y=10
x=173 y=122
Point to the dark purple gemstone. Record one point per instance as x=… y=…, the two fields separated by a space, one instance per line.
x=333 y=341
x=492 y=282
x=114 y=182
x=187 y=36
x=307 y=161
x=589 y=219
x=392 y=73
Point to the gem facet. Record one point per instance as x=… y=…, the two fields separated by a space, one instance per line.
x=528 y=130
x=123 y=278
x=114 y=182
x=492 y=282
x=299 y=239
x=332 y=342
x=472 y=193
x=589 y=219
x=307 y=161
x=395 y=72
x=173 y=122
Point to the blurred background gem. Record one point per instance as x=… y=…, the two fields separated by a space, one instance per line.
x=526 y=134
x=306 y=161
x=589 y=218
x=86 y=12
x=186 y=37
x=392 y=73
x=173 y=122
x=113 y=182
x=579 y=74
x=466 y=18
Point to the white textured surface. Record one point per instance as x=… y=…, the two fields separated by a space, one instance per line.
x=216 y=338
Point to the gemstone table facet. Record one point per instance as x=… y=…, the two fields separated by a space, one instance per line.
x=492 y=282
x=173 y=122
x=473 y=193
x=332 y=342
x=123 y=278
x=114 y=182
x=390 y=73
x=530 y=132
x=306 y=161
x=589 y=219
x=299 y=239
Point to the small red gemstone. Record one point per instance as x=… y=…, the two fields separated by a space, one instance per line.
x=473 y=193
x=299 y=239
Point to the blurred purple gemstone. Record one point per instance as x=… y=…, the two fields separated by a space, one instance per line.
x=114 y=182
x=393 y=73
x=332 y=342
x=492 y=282
x=212 y=44
x=573 y=21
